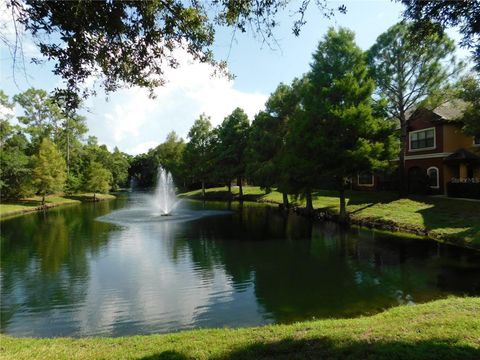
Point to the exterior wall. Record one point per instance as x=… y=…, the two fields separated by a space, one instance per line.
x=427 y=163
x=424 y=120
x=454 y=138
x=449 y=172
x=448 y=139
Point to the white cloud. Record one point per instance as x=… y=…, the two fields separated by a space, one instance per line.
x=142 y=147
x=134 y=122
x=15 y=37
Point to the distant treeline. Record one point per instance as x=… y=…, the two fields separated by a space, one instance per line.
x=46 y=152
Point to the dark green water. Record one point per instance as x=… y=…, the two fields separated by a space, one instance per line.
x=65 y=273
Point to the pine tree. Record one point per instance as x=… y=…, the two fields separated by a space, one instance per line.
x=340 y=123
x=197 y=155
x=231 y=147
x=49 y=170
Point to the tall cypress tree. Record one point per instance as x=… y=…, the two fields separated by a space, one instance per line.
x=267 y=145
x=347 y=137
x=231 y=147
x=197 y=154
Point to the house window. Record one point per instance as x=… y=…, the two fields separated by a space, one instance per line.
x=433 y=177
x=422 y=139
x=365 y=179
x=476 y=140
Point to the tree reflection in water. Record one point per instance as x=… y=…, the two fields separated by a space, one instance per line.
x=64 y=273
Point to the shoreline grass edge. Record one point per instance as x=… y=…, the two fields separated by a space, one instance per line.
x=451 y=221
x=441 y=329
x=33 y=204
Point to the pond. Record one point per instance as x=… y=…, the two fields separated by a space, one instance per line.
x=74 y=271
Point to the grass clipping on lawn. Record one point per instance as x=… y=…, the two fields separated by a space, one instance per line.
x=443 y=329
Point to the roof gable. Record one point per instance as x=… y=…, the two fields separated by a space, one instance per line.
x=450 y=111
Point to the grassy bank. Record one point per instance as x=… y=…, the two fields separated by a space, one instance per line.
x=34 y=203
x=442 y=219
x=444 y=329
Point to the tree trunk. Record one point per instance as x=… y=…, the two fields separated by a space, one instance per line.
x=94 y=197
x=240 y=189
x=403 y=189
x=43 y=200
x=286 y=205
x=343 y=208
x=68 y=152
x=308 y=196
x=229 y=184
x=203 y=189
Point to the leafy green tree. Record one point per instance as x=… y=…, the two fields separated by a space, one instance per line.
x=46 y=116
x=197 y=156
x=266 y=144
x=14 y=163
x=143 y=168
x=169 y=155
x=94 y=152
x=69 y=137
x=301 y=163
x=339 y=115
x=231 y=147
x=432 y=16
x=118 y=167
x=408 y=72
x=470 y=92
x=262 y=150
x=41 y=115
x=49 y=170
x=134 y=42
x=98 y=179
x=15 y=167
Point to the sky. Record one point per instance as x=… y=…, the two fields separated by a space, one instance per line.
x=134 y=123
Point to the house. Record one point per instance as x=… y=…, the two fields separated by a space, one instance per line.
x=439 y=154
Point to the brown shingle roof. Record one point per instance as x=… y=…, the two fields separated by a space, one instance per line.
x=450 y=111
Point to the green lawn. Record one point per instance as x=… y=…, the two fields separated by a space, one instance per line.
x=34 y=203
x=444 y=329
x=442 y=219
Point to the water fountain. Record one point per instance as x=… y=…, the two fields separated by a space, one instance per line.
x=165 y=199
x=133 y=184
x=162 y=206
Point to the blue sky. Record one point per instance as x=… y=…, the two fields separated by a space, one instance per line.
x=133 y=122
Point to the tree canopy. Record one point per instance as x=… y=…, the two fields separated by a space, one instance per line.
x=98 y=179
x=134 y=42
x=42 y=117
x=469 y=87
x=339 y=119
x=432 y=16
x=198 y=156
x=230 y=156
x=49 y=169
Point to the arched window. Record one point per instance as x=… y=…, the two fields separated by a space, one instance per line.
x=433 y=177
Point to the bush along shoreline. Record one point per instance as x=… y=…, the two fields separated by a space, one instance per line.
x=449 y=221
